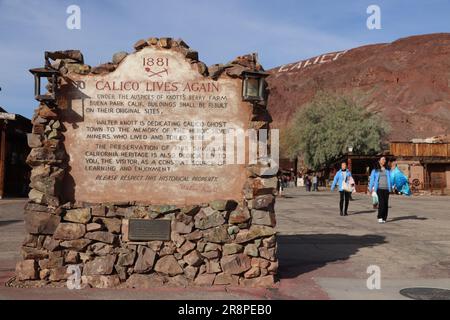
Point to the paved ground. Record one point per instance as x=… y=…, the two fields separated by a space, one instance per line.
x=322 y=255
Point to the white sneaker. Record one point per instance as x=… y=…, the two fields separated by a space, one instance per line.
x=384 y=221
x=380 y=221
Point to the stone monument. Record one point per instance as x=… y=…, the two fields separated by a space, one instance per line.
x=131 y=183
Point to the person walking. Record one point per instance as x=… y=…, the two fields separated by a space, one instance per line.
x=314 y=182
x=380 y=182
x=279 y=184
x=307 y=183
x=341 y=179
x=284 y=181
x=300 y=181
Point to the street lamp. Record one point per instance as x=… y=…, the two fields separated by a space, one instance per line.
x=350 y=149
x=253 y=86
x=45 y=72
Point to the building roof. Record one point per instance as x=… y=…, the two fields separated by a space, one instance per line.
x=18 y=117
x=445 y=138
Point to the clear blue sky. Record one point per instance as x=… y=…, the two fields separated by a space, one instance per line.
x=280 y=31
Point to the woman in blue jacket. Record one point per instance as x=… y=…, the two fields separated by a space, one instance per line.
x=380 y=182
x=342 y=176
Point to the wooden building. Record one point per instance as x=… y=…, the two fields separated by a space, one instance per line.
x=288 y=165
x=360 y=166
x=14 y=172
x=426 y=163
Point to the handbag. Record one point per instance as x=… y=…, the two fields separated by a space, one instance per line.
x=374 y=199
x=352 y=183
x=346 y=186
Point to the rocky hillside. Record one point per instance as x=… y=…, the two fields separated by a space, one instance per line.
x=406 y=81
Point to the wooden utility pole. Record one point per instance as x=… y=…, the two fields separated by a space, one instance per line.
x=2 y=156
x=4 y=118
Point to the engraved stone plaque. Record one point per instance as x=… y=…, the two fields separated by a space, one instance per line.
x=149 y=230
x=134 y=134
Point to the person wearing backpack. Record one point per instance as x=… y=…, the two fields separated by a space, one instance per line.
x=341 y=179
x=380 y=182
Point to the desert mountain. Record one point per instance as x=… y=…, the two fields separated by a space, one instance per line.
x=407 y=82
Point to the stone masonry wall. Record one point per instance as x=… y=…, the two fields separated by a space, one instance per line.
x=224 y=242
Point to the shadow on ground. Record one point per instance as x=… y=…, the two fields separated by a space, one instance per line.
x=362 y=212
x=300 y=254
x=311 y=194
x=407 y=218
x=7 y=222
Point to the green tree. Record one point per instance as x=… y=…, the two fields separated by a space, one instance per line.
x=323 y=130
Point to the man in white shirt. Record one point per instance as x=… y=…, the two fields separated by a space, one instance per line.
x=314 y=182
